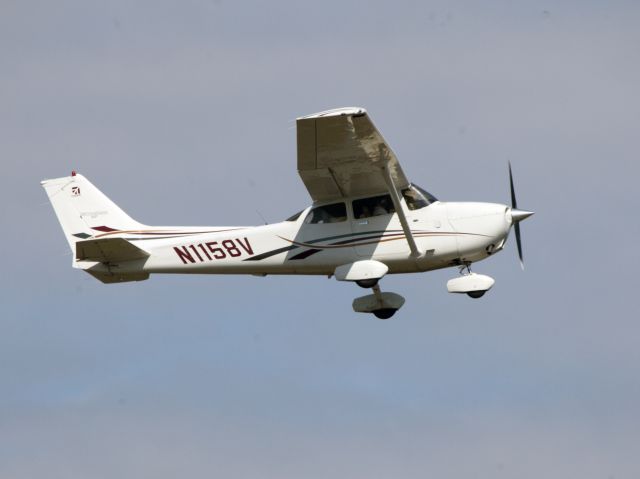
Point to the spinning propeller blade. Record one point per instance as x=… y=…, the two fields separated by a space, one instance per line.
x=517 y=216
x=519 y=243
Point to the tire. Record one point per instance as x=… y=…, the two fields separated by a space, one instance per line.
x=367 y=283
x=384 y=313
x=476 y=294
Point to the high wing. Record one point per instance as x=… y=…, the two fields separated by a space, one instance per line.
x=341 y=154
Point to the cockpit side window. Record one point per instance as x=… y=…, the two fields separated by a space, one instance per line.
x=373 y=206
x=334 y=213
x=417 y=198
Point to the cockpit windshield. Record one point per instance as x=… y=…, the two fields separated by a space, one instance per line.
x=295 y=217
x=417 y=198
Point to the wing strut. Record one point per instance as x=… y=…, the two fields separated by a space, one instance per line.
x=395 y=197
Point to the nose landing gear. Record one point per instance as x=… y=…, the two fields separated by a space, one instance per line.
x=476 y=294
x=472 y=284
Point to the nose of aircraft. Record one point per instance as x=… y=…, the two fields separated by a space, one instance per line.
x=517 y=216
x=481 y=227
x=485 y=224
x=514 y=217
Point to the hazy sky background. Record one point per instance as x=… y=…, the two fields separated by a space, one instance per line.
x=182 y=112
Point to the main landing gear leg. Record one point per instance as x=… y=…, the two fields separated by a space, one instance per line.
x=381 y=305
x=382 y=313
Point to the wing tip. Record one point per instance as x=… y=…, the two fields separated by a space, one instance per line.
x=343 y=111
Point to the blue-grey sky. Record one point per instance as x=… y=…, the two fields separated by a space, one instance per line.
x=182 y=112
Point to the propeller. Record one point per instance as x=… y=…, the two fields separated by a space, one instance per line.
x=517 y=216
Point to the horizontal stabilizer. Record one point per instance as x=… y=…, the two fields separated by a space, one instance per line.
x=108 y=250
x=110 y=278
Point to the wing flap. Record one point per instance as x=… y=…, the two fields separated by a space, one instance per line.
x=108 y=250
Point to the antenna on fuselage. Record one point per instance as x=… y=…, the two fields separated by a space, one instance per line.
x=262 y=217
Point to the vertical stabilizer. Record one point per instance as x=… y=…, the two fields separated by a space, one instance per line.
x=83 y=210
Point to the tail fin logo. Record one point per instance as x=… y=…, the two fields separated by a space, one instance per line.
x=75 y=191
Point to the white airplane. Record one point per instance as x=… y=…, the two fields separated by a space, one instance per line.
x=367 y=220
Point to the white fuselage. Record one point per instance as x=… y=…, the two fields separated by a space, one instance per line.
x=446 y=234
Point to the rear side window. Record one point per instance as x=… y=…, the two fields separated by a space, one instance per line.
x=374 y=206
x=334 y=213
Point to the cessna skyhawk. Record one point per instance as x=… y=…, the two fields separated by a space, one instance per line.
x=367 y=220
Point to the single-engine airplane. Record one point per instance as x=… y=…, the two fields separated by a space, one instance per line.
x=367 y=220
